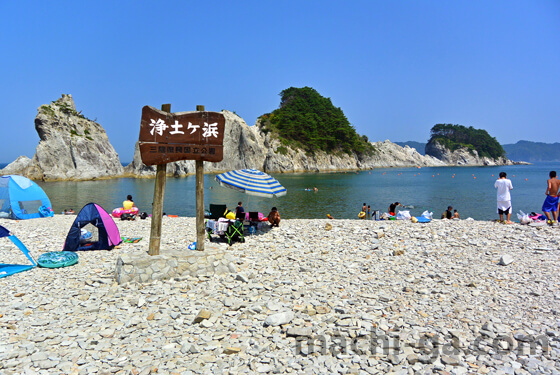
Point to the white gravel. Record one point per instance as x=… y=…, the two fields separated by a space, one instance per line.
x=423 y=298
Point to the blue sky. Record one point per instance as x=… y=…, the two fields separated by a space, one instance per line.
x=396 y=68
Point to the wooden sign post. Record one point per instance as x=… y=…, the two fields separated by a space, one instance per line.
x=166 y=137
x=199 y=168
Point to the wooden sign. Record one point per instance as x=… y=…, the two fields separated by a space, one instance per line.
x=166 y=137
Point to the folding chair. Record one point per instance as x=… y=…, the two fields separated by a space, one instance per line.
x=217 y=211
x=234 y=232
x=240 y=216
x=254 y=216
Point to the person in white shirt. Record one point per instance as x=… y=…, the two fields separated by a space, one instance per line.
x=503 y=184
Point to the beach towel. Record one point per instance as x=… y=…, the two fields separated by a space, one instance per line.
x=131 y=239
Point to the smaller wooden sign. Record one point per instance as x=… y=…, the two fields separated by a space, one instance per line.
x=167 y=137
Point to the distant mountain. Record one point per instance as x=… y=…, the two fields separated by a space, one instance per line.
x=419 y=146
x=533 y=151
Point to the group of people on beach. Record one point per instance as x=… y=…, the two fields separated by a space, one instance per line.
x=273 y=216
x=450 y=214
x=550 y=206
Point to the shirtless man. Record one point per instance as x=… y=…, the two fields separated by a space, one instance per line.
x=551 y=202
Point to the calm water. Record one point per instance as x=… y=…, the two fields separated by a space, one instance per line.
x=340 y=194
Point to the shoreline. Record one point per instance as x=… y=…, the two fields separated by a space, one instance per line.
x=438 y=284
x=150 y=176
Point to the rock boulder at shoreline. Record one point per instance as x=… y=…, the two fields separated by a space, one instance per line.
x=71 y=147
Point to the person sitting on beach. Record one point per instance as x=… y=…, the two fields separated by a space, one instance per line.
x=239 y=209
x=456 y=215
x=128 y=203
x=274 y=217
x=551 y=202
x=447 y=214
x=393 y=207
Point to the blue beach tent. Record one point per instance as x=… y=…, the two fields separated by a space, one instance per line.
x=21 y=198
x=10 y=269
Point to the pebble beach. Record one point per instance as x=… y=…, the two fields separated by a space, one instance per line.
x=360 y=297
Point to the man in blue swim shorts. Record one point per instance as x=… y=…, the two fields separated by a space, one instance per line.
x=551 y=202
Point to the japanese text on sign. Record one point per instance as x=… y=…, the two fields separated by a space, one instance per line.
x=166 y=137
x=208 y=130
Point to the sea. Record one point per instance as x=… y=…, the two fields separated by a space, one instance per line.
x=469 y=190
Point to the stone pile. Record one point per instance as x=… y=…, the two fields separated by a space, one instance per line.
x=365 y=297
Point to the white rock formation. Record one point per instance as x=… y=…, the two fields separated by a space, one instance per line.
x=462 y=156
x=71 y=147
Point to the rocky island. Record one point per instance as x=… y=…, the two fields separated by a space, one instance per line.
x=459 y=145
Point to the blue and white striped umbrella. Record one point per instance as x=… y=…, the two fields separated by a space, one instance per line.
x=253 y=182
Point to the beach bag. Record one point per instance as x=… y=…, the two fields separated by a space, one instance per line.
x=524 y=218
x=143 y=215
x=403 y=215
x=537 y=217
x=427 y=214
x=125 y=217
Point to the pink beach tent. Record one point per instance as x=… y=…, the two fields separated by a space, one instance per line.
x=95 y=217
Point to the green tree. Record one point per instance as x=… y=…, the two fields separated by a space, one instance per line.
x=458 y=136
x=310 y=121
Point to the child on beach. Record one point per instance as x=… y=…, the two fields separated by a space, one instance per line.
x=503 y=184
x=551 y=201
x=456 y=215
